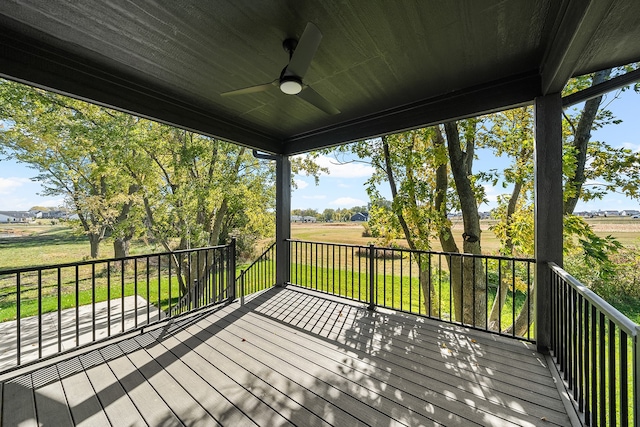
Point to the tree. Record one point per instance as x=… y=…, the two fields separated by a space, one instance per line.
x=613 y=169
x=69 y=143
x=415 y=165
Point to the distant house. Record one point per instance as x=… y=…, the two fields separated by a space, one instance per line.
x=16 y=216
x=630 y=212
x=55 y=214
x=360 y=216
x=298 y=218
x=611 y=213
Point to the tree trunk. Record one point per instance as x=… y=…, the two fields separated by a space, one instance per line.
x=470 y=287
x=121 y=247
x=524 y=319
x=503 y=287
x=581 y=137
x=94 y=241
x=511 y=209
x=445 y=235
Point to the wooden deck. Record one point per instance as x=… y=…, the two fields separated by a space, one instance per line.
x=291 y=357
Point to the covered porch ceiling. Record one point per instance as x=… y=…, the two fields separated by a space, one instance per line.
x=386 y=66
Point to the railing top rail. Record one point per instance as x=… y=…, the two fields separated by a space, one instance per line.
x=499 y=257
x=626 y=324
x=104 y=260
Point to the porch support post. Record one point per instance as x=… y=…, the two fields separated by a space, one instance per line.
x=283 y=219
x=548 y=208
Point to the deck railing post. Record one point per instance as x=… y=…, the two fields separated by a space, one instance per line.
x=231 y=274
x=372 y=270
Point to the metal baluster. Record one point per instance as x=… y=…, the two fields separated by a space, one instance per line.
x=612 y=373
x=473 y=278
x=93 y=302
x=77 y=309
x=108 y=299
x=39 y=314
x=18 y=315
x=624 y=387
x=148 y=291
x=159 y=286
x=461 y=320
x=135 y=293
x=486 y=294
x=59 y=310
x=499 y=295
x=513 y=298
x=602 y=370
x=587 y=361
x=122 y=296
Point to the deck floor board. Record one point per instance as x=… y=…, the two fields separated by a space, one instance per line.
x=407 y=377
x=294 y=357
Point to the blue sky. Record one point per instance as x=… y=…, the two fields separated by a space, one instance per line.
x=344 y=187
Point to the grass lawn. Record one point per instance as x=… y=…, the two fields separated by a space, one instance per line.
x=46 y=244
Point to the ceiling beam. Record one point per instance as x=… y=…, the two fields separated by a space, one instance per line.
x=34 y=62
x=578 y=21
x=495 y=96
x=602 y=88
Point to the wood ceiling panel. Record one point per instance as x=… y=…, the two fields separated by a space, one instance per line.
x=172 y=59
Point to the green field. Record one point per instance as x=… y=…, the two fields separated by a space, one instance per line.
x=46 y=244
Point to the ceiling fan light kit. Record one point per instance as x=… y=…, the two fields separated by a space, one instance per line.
x=301 y=53
x=291 y=85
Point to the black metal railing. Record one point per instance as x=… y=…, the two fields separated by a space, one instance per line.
x=597 y=351
x=259 y=275
x=485 y=292
x=48 y=310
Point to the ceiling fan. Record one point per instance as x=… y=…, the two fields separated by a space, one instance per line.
x=291 y=82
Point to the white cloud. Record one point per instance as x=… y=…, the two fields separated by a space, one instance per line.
x=342 y=185
x=491 y=193
x=631 y=146
x=301 y=184
x=345 y=170
x=318 y=197
x=347 y=202
x=9 y=185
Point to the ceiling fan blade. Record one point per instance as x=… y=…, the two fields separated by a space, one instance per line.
x=313 y=98
x=304 y=52
x=251 y=89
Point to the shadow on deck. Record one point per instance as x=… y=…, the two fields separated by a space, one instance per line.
x=290 y=356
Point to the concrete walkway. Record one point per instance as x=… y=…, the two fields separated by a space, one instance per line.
x=71 y=334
